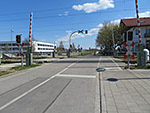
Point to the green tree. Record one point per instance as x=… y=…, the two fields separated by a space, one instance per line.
x=73 y=47
x=61 y=46
x=106 y=33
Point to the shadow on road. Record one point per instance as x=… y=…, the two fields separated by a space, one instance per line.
x=115 y=79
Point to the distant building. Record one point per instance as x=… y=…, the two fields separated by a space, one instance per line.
x=131 y=31
x=38 y=48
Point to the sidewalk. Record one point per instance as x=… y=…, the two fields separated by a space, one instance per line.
x=10 y=65
x=125 y=91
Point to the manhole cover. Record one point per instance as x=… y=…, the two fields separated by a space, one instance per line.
x=112 y=79
x=100 y=69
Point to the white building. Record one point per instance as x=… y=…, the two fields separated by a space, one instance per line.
x=131 y=31
x=39 y=48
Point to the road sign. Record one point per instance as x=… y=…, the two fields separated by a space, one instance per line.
x=129 y=46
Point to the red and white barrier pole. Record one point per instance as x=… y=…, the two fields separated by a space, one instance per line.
x=29 y=57
x=138 y=21
x=30 y=32
x=140 y=54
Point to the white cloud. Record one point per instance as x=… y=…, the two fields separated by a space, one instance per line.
x=100 y=25
x=93 y=7
x=145 y=14
x=91 y=32
x=64 y=14
x=59 y=14
x=116 y=21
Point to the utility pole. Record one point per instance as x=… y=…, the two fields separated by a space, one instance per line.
x=140 y=55
x=54 y=50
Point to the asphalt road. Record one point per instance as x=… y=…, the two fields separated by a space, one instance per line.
x=66 y=86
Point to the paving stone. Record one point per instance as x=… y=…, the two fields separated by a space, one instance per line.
x=130 y=94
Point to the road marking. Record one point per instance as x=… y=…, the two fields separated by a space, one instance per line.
x=115 y=63
x=97 y=92
x=76 y=76
x=34 y=88
x=112 y=69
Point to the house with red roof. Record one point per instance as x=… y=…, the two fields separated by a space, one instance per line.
x=130 y=32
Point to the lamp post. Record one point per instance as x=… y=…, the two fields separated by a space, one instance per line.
x=54 y=49
x=11 y=31
x=79 y=31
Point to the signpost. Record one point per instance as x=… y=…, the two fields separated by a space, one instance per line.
x=129 y=45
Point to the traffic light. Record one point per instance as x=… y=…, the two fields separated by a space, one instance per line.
x=18 y=38
x=86 y=31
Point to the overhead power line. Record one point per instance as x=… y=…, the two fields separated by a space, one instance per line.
x=82 y=14
x=69 y=15
x=47 y=10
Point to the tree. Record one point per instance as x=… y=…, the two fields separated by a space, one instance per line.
x=73 y=47
x=6 y=47
x=61 y=46
x=105 y=35
x=26 y=42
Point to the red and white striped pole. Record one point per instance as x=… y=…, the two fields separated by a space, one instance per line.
x=138 y=22
x=30 y=32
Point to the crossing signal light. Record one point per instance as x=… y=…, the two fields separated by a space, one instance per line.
x=86 y=31
x=18 y=38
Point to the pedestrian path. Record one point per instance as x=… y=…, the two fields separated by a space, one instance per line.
x=10 y=65
x=125 y=91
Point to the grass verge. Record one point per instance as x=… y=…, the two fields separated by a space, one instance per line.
x=83 y=54
x=4 y=72
x=18 y=68
x=138 y=67
x=132 y=61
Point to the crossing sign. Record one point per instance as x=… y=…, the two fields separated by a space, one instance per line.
x=129 y=46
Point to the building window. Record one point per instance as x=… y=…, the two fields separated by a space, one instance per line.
x=148 y=31
x=137 y=32
x=130 y=35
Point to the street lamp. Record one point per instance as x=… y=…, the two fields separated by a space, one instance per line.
x=54 y=49
x=11 y=31
x=79 y=31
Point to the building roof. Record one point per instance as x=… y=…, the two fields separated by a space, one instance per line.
x=132 y=22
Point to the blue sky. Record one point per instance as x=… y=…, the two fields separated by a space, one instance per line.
x=54 y=20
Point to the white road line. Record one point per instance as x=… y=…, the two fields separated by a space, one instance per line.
x=37 y=86
x=76 y=76
x=115 y=63
x=97 y=95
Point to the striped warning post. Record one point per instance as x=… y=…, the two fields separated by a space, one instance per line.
x=138 y=21
x=30 y=32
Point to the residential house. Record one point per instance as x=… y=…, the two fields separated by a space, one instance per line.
x=131 y=31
